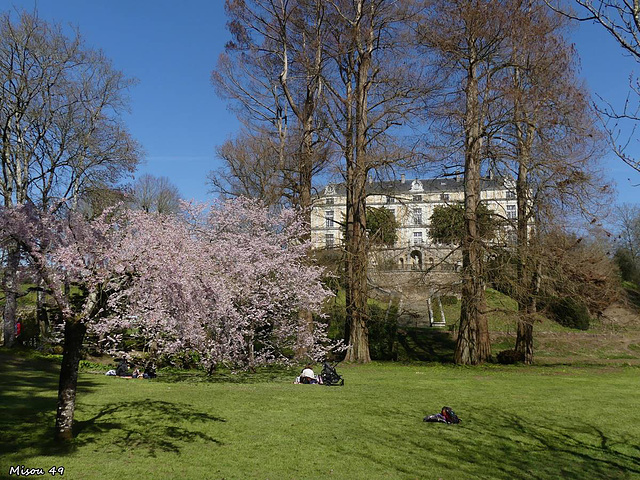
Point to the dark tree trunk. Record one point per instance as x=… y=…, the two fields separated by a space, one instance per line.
x=473 y=344
x=11 y=294
x=356 y=308
x=524 y=339
x=525 y=294
x=356 y=195
x=305 y=317
x=74 y=332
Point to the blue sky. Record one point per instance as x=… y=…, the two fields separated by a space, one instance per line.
x=171 y=48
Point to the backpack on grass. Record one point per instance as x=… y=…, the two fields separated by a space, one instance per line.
x=446 y=415
x=450 y=415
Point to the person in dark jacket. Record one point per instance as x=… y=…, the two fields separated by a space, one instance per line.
x=123 y=369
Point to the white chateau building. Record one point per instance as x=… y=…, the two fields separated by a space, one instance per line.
x=412 y=202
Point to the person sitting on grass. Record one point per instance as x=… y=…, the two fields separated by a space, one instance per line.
x=307 y=376
x=123 y=369
x=150 y=370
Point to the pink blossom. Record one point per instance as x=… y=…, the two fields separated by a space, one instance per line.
x=225 y=280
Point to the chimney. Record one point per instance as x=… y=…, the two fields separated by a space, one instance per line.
x=402 y=178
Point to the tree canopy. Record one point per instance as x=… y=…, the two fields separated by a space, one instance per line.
x=447 y=223
x=382 y=226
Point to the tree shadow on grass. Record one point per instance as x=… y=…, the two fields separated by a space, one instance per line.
x=268 y=374
x=149 y=427
x=503 y=445
x=425 y=344
x=28 y=400
x=543 y=449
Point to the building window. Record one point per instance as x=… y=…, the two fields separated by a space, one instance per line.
x=391 y=200
x=417 y=238
x=328 y=240
x=417 y=216
x=512 y=212
x=417 y=198
x=329 y=201
x=511 y=195
x=328 y=216
x=444 y=197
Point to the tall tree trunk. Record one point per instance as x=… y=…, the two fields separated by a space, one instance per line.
x=304 y=113
x=525 y=295
x=74 y=332
x=473 y=344
x=356 y=190
x=357 y=280
x=356 y=307
x=11 y=287
x=524 y=337
x=348 y=261
x=305 y=175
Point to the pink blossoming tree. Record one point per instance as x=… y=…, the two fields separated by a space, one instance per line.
x=225 y=282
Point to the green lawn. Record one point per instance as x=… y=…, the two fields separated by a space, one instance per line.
x=518 y=422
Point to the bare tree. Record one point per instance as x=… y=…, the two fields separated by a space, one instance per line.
x=155 y=194
x=271 y=71
x=252 y=168
x=59 y=123
x=468 y=39
x=621 y=19
x=628 y=221
x=627 y=242
x=579 y=268
x=552 y=145
x=374 y=88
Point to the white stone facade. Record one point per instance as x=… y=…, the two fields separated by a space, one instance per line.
x=412 y=202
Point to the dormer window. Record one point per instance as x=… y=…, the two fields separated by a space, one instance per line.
x=416 y=186
x=417 y=198
x=329 y=201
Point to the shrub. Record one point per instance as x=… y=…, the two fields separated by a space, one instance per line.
x=509 y=357
x=569 y=312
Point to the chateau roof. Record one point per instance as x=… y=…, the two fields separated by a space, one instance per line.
x=416 y=186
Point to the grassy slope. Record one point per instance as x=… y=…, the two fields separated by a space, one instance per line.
x=612 y=339
x=540 y=422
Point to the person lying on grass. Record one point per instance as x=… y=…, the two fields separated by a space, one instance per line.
x=307 y=377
